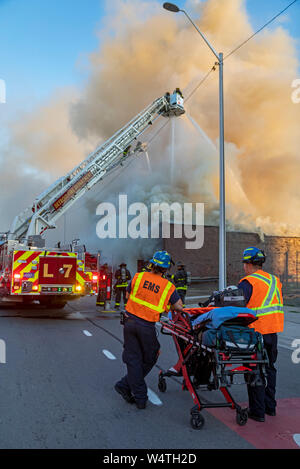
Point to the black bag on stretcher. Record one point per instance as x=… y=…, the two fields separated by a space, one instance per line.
x=215 y=346
x=239 y=338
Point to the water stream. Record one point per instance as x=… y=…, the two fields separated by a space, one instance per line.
x=172 y=162
x=233 y=179
x=148 y=162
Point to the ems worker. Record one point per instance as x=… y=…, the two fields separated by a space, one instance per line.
x=263 y=293
x=180 y=281
x=148 y=296
x=122 y=277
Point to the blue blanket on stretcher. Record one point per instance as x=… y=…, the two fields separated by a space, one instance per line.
x=217 y=316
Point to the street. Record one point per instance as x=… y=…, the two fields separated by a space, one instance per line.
x=57 y=389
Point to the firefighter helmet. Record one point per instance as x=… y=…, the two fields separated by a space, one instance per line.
x=254 y=256
x=162 y=259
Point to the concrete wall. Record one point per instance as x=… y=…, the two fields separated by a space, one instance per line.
x=281 y=252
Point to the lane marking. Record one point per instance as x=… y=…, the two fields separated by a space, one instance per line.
x=153 y=397
x=109 y=355
x=285 y=346
x=297 y=438
x=87 y=333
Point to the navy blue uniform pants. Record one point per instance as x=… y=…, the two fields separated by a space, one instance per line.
x=140 y=354
x=263 y=397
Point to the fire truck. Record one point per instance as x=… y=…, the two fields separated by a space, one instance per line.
x=31 y=271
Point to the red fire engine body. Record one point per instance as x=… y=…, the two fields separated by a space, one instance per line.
x=29 y=271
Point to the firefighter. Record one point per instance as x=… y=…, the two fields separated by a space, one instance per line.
x=103 y=276
x=263 y=293
x=147 y=267
x=179 y=92
x=180 y=281
x=148 y=296
x=122 y=277
x=126 y=151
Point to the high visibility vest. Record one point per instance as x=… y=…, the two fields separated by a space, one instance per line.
x=266 y=300
x=150 y=296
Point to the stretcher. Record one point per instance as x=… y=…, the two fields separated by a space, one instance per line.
x=212 y=359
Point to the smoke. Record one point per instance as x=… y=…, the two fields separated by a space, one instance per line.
x=40 y=148
x=144 y=59
x=145 y=51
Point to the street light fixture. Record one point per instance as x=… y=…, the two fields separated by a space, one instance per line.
x=222 y=227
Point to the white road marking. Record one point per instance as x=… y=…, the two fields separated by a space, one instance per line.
x=297 y=438
x=87 y=333
x=153 y=397
x=76 y=315
x=109 y=355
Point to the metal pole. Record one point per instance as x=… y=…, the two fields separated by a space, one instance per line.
x=201 y=34
x=222 y=225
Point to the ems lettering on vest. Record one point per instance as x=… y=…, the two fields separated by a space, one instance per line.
x=151 y=286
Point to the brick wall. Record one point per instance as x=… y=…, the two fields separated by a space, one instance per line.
x=281 y=254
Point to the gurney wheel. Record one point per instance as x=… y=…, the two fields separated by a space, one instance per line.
x=197 y=421
x=241 y=417
x=162 y=385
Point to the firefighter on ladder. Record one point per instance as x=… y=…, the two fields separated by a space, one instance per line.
x=263 y=293
x=103 y=277
x=180 y=281
x=122 y=277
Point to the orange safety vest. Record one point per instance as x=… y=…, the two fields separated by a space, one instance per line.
x=150 y=296
x=266 y=300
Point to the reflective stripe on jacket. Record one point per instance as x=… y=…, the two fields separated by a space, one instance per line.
x=122 y=279
x=150 y=296
x=266 y=300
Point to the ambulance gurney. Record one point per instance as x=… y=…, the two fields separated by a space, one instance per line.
x=214 y=346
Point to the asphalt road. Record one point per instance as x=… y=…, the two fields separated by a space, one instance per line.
x=57 y=390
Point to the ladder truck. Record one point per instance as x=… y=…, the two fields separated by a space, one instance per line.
x=28 y=270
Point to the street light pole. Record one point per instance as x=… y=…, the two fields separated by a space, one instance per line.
x=222 y=219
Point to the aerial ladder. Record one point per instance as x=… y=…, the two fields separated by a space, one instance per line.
x=30 y=271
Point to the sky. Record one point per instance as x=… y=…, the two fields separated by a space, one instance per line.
x=44 y=44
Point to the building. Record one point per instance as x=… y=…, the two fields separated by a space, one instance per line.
x=283 y=254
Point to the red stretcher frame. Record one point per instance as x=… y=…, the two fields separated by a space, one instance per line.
x=247 y=364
